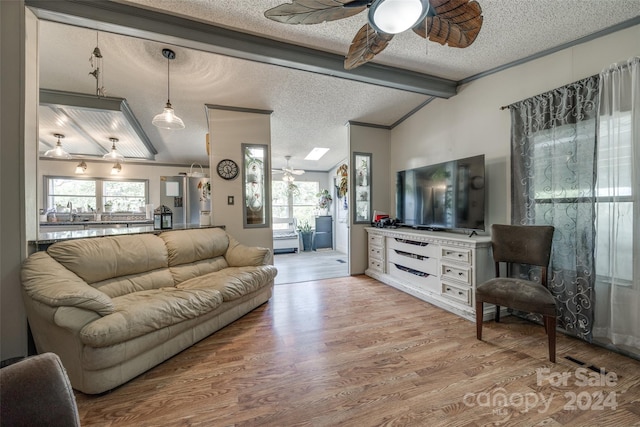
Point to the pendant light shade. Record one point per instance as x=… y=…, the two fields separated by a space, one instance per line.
x=114 y=155
x=168 y=119
x=58 y=152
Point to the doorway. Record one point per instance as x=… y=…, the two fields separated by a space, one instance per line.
x=309 y=208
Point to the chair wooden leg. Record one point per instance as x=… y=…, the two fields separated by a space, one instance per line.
x=497 y=313
x=479 y=319
x=550 y=321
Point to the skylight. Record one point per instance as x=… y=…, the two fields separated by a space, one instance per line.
x=316 y=153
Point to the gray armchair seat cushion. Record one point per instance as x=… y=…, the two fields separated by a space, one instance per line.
x=518 y=294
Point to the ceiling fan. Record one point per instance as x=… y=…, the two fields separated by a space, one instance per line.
x=287 y=171
x=452 y=22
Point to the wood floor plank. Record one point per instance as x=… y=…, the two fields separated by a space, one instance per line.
x=354 y=352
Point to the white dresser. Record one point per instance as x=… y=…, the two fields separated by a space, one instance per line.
x=438 y=267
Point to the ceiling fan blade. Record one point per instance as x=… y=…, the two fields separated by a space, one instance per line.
x=365 y=45
x=315 y=11
x=297 y=171
x=456 y=23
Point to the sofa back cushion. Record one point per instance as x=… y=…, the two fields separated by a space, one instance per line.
x=104 y=258
x=189 y=246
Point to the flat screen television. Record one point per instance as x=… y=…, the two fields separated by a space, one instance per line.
x=444 y=196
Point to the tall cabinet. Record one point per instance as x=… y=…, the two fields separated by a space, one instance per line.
x=323 y=236
x=437 y=267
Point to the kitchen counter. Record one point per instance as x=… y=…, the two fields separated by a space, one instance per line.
x=48 y=238
x=129 y=223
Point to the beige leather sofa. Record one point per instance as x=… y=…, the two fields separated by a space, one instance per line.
x=114 y=307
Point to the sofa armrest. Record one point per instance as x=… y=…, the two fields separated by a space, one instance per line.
x=239 y=255
x=46 y=281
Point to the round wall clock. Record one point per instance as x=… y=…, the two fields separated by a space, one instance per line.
x=227 y=169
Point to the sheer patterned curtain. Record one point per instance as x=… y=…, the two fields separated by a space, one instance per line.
x=617 y=311
x=553 y=160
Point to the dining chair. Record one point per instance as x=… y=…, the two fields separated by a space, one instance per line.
x=520 y=244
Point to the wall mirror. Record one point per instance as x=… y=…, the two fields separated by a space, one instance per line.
x=361 y=176
x=256 y=193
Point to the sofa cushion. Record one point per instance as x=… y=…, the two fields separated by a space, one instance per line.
x=184 y=272
x=48 y=282
x=118 y=286
x=103 y=258
x=239 y=255
x=233 y=282
x=186 y=246
x=142 y=312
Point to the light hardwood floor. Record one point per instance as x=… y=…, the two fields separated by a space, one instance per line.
x=355 y=352
x=312 y=265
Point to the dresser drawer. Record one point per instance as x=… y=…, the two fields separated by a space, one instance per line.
x=458 y=293
x=431 y=250
x=462 y=255
x=427 y=282
x=420 y=263
x=376 y=240
x=376 y=265
x=459 y=273
x=376 y=252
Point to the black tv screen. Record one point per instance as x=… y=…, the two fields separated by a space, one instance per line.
x=443 y=196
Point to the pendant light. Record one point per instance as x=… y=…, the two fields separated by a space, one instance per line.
x=167 y=119
x=114 y=155
x=58 y=152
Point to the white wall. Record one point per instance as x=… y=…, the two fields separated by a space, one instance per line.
x=229 y=130
x=472 y=123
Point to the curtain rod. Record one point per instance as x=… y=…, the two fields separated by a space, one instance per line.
x=505 y=107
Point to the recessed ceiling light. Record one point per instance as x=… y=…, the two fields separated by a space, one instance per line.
x=316 y=153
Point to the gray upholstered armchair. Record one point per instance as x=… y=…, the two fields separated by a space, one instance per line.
x=523 y=244
x=36 y=392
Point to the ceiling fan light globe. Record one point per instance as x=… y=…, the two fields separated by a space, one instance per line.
x=168 y=120
x=396 y=16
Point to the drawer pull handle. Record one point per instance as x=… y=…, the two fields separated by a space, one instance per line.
x=448 y=289
x=461 y=274
x=448 y=270
x=460 y=293
x=460 y=255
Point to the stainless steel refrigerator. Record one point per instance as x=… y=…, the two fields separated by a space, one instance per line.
x=186 y=196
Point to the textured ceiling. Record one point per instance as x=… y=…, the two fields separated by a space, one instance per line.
x=309 y=109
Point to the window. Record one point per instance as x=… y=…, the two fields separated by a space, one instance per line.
x=297 y=200
x=96 y=194
x=614 y=199
x=558 y=150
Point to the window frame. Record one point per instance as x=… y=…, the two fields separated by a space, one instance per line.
x=99 y=193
